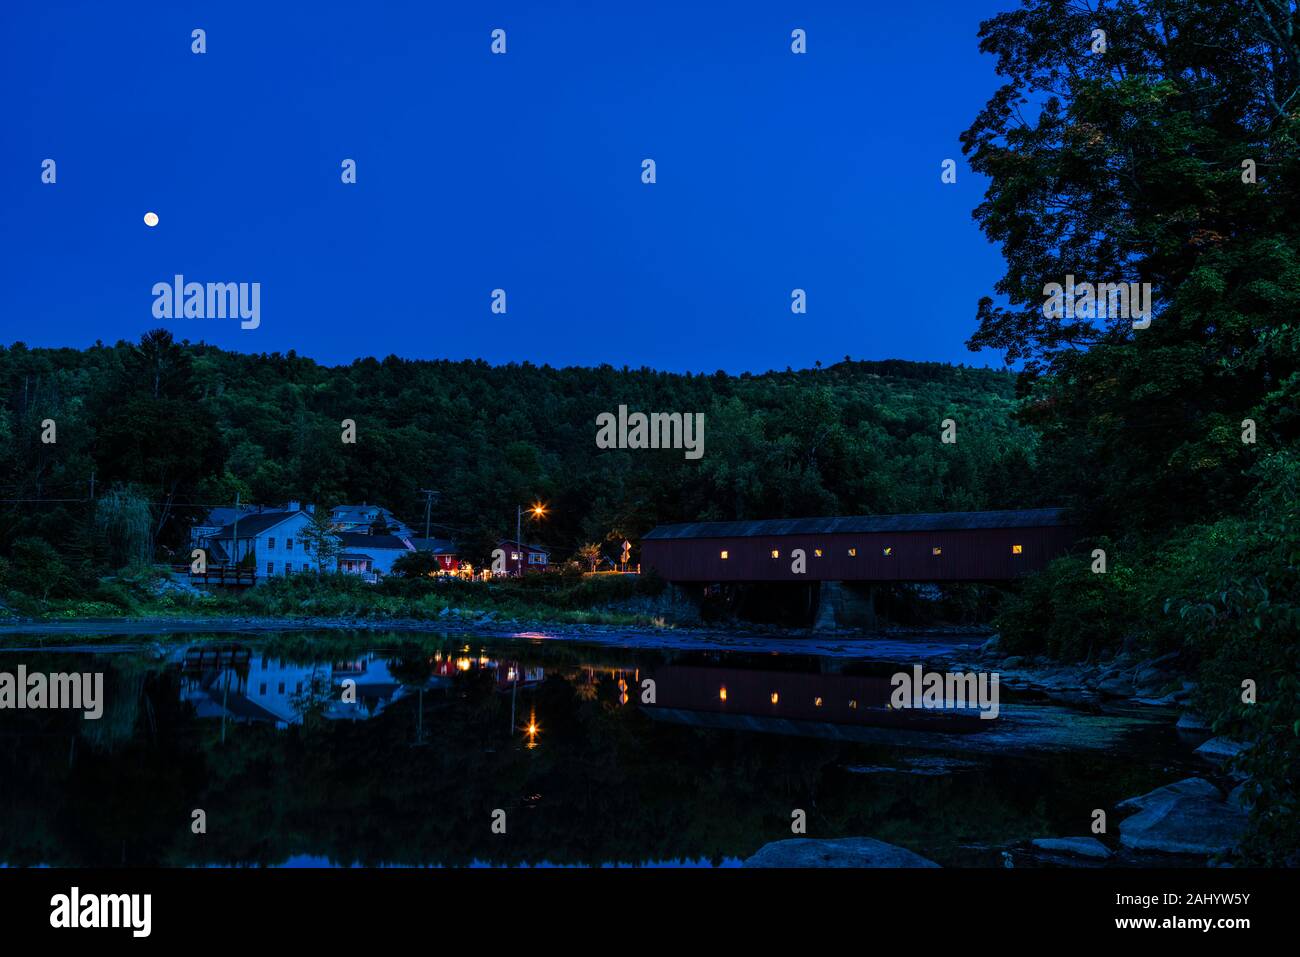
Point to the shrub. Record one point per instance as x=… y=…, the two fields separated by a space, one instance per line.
x=1068 y=611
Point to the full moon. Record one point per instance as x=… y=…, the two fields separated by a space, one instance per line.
x=151 y=219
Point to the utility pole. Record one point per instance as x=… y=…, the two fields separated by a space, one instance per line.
x=430 y=495
x=234 y=544
x=519 y=541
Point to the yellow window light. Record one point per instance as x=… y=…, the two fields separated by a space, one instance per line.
x=936 y=550
x=776 y=553
x=725 y=556
x=1017 y=549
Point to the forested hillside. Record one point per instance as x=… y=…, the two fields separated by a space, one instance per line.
x=184 y=425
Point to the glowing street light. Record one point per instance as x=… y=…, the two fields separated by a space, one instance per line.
x=537 y=510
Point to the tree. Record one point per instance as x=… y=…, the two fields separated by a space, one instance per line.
x=417 y=565
x=1159 y=158
x=125 y=523
x=321 y=541
x=589 y=554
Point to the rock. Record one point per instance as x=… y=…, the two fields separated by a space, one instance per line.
x=840 y=852
x=1221 y=749
x=1152 y=683
x=1241 y=796
x=1117 y=687
x=1187 y=817
x=1187 y=787
x=1190 y=722
x=1079 y=846
x=1168 y=701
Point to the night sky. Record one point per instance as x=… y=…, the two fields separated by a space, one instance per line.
x=521 y=172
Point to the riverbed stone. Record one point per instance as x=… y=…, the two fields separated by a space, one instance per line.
x=1187 y=787
x=838 y=852
x=1120 y=686
x=1186 y=817
x=1079 y=846
x=1243 y=796
x=1191 y=722
x=1221 y=749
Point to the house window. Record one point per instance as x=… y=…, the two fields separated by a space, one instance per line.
x=514 y=556
x=1017 y=549
x=936 y=551
x=775 y=697
x=725 y=555
x=288 y=567
x=261 y=688
x=887 y=550
x=306 y=547
x=853 y=553
x=817 y=552
x=817 y=701
x=776 y=553
x=270 y=568
x=270 y=543
x=280 y=690
x=288 y=544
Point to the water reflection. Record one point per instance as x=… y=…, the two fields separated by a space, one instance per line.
x=358 y=750
x=237 y=683
x=788 y=701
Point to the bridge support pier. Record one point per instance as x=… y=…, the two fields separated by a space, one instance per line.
x=682 y=604
x=841 y=606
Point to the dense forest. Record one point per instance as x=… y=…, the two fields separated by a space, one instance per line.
x=181 y=425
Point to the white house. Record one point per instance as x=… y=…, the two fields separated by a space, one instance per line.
x=371 y=554
x=273 y=538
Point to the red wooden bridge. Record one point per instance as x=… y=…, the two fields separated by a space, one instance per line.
x=930 y=547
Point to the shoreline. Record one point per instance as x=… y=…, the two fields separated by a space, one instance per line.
x=934 y=644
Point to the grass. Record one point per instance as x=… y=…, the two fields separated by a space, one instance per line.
x=563 y=598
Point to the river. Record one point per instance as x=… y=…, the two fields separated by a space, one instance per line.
x=371 y=748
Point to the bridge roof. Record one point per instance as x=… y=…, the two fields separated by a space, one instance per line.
x=850 y=524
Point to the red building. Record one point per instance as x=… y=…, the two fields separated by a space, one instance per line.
x=528 y=558
x=443 y=549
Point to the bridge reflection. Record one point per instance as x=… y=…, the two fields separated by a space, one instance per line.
x=791 y=701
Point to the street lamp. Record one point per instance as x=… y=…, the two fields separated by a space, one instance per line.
x=537 y=510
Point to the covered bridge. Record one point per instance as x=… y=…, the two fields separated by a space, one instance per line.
x=929 y=547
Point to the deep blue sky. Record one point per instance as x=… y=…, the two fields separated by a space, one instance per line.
x=520 y=171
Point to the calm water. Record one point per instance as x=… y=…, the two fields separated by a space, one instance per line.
x=391 y=750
